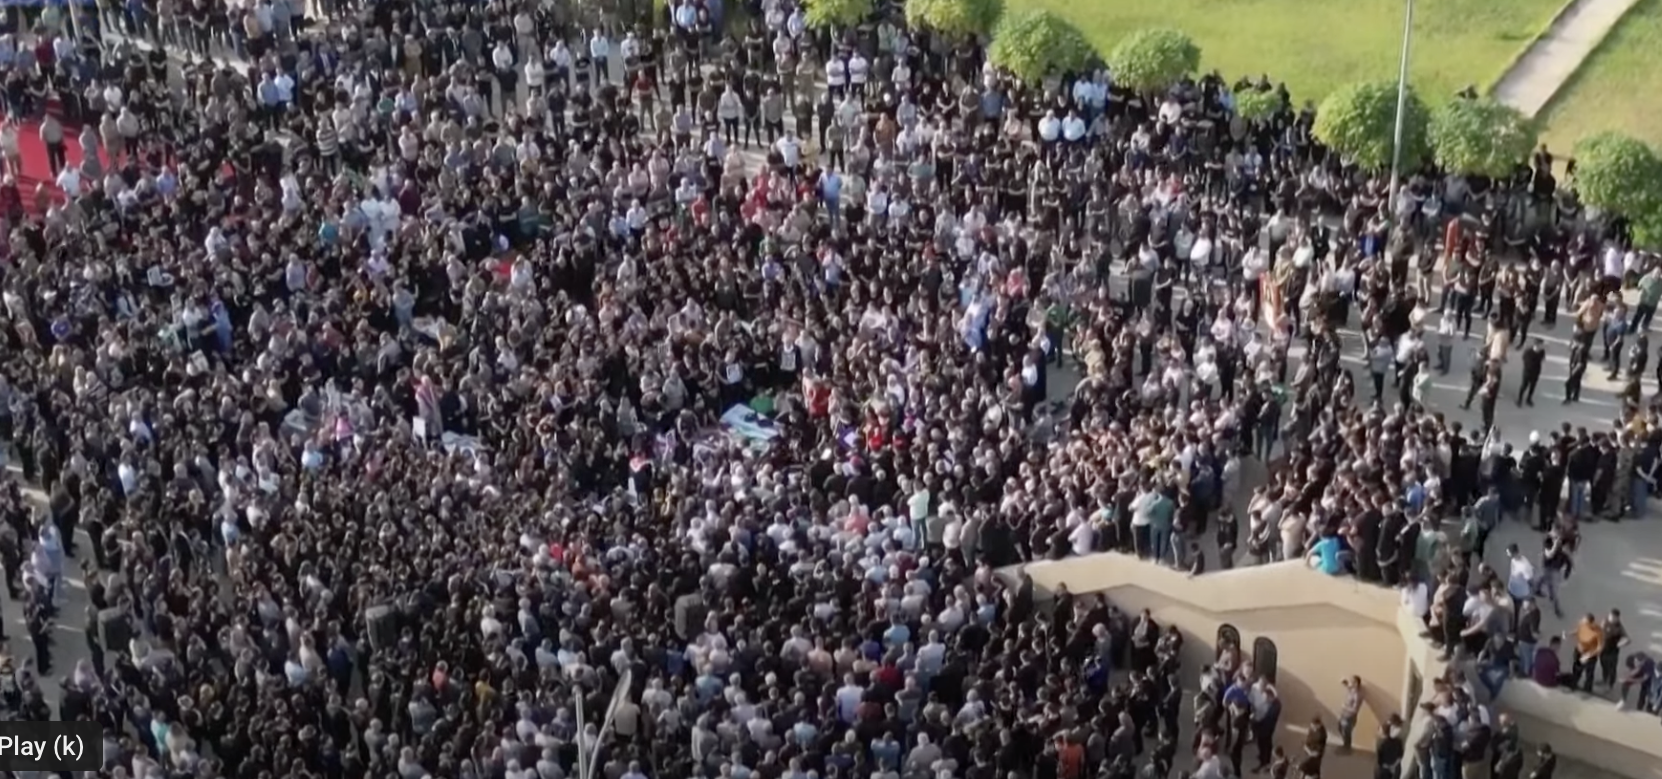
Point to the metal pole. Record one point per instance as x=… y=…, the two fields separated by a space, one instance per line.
x=1402 y=108
x=582 y=727
x=605 y=725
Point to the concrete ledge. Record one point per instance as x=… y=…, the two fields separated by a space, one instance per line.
x=1590 y=730
x=1329 y=628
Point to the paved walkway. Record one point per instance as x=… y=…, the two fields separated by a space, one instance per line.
x=1555 y=56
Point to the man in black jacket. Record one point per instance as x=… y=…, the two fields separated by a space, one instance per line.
x=1509 y=763
x=1552 y=484
x=1604 y=477
x=1579 y=469
x=1548 y=764
x=1578 y=368
x=39 y=622
x=1480 y=375
x=1389 y=749
x=1534 y=357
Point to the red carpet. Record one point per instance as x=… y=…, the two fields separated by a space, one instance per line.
x=36 y=168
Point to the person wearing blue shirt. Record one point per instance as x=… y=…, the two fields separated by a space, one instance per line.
x=686 y=17
x=1328 y=555
x=831 y=190
x=897 y=634
x=1236 y=695
x=167 y=183
x=708 y=686
x=1414 y=499
x=270 y=95
x=804 y=733
x=1096 y=674
x=886 y=751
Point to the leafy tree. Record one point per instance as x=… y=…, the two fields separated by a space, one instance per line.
x=1647 y=229
x=838 y=13
x=1152 y=60
x=955 y=18
x=1617 y=173
x=1257 y=104
x=1483 y=137
x=1359 y=122
x=1036 y=44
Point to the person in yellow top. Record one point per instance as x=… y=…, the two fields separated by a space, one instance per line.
x=1589 y=644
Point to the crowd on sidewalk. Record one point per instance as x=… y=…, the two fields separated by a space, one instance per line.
x=428 y=372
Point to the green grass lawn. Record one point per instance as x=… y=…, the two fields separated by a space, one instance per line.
x=1317 y=45
x=1618 y=88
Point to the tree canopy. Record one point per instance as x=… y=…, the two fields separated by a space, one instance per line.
x=960 y=18
x=1359 y=122
x=837 y=13
x=1152 y=60
x=1483 y=137
x=1620 y=174
x=1036 y=44
x=1255 y=104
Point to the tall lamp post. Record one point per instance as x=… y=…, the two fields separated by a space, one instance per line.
x=1402 y=110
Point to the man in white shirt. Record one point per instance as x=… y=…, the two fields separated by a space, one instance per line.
x=600 y=51
x=284 y=85
x=790 y=151
x=1050 y=128
x=836 y=75
x=502 y=57
x=69 y=180
x=859 y=71
x=559 y=61
x=1082 y=536
x=1520 y=577
x=534 y=76
x=686 y=17
x=1073 y=128
x=901 y=76
x=1083 y=90
x=1171 y=111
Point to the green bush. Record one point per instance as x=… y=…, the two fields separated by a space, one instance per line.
x=1359 y=122
x=1481 y=137
x=1037 y=44
x=1258 y=104
x=956 y=18
x=837 y=13
x=1152 y=60
x=1620 y=174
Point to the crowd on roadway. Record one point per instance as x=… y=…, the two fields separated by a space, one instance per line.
x=453 y=390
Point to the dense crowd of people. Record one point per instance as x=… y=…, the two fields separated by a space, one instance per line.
x=432 y=375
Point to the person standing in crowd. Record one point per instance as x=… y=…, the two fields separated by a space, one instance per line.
x=600 y=56
x=1578 y=369
x=1589 y=647
x=1480 y=371
x=1615 y=640
x=52 y=136
x=1534 y=358
x=1348 y=712
x=1546 y=765
x=480 y=392
x=1640 y=672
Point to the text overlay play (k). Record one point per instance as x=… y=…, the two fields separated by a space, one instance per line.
x=51 y=746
